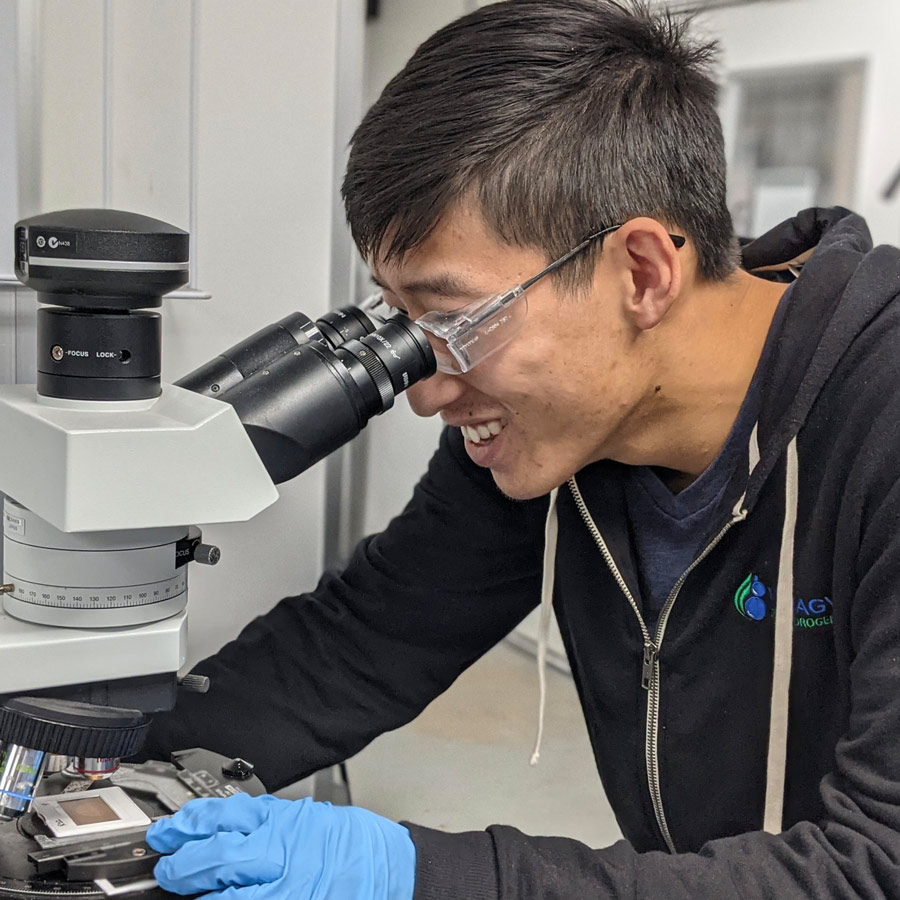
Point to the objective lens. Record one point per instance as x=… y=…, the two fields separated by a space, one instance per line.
x=20 y=774
x=93 y=768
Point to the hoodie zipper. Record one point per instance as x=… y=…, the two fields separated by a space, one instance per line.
x=650 y=677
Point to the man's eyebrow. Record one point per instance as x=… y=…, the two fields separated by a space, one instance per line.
x=444 y=284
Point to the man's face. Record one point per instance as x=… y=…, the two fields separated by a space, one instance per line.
x=555 y=398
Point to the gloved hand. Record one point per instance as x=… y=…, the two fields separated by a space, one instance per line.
x=271 y=849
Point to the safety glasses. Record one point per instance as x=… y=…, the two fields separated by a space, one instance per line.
x=464 y=337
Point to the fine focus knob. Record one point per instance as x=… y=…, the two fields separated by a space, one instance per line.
x=196 y=684
x=72 y=729
x=238 y=769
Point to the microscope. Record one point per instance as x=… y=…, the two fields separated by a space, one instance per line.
x=104 y=468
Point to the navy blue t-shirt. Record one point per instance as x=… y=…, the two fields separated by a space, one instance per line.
x=667 y=529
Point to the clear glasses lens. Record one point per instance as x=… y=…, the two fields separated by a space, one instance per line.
x=465 y=337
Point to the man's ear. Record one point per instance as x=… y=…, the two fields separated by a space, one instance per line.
x=652 y=270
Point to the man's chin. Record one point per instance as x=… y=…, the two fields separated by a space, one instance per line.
x=520 y=489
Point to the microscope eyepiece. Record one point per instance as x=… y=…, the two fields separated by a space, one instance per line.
x=269 y=344
x=312 y=400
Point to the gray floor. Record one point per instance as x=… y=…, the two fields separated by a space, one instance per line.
x=464 y=763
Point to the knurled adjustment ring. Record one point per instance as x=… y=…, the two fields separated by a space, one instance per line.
x=69 y=728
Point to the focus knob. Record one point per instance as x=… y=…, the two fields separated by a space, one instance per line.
x=72 y=729
x=207 y=554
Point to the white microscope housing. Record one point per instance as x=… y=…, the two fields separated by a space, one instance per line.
x=104 y=468
x=96 y=537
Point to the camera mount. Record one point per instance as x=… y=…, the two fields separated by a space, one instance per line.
x=101 y=270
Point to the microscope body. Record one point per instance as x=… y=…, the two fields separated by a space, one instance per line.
x=96 y=529
x=105 y=468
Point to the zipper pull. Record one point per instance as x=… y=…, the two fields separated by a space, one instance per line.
x=651 y=655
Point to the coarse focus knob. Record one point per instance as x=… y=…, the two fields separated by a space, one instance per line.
x=207 y=554
x=72 y=729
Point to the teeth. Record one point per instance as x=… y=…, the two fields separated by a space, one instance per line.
x=484 y=432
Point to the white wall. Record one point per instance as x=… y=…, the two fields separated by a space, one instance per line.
x=8 y=133
x=782 y=35
x=254 y=145
x=8 y=186
x=401 y=25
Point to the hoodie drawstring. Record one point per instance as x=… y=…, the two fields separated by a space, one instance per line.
x=784 y=633
x=551 y=531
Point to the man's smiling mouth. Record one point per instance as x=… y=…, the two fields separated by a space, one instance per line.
x=483 y=432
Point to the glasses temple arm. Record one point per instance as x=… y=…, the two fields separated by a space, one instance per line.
x=677 y=239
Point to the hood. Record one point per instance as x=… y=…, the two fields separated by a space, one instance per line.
x=842 y=283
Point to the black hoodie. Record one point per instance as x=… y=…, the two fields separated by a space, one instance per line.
x=812 y=544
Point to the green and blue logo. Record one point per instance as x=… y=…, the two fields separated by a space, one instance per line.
x=752 y=599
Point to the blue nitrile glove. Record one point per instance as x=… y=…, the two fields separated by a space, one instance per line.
x=271 y=849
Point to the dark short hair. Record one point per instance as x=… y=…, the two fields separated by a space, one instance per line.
x=560 y=117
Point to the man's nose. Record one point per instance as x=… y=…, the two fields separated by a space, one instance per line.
x=429 y=397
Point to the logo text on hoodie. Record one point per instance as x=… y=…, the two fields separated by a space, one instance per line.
x=813 y=613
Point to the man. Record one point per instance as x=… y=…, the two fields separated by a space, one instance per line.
x=721 y=450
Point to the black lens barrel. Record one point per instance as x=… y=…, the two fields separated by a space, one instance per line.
x=394 y=356
x=298 y=410
x=269 y=344
x=251 y=355
x=313 y=400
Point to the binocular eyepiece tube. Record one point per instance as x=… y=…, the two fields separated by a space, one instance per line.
x=302 y=388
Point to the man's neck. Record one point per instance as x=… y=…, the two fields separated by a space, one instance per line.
x=707 y=355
